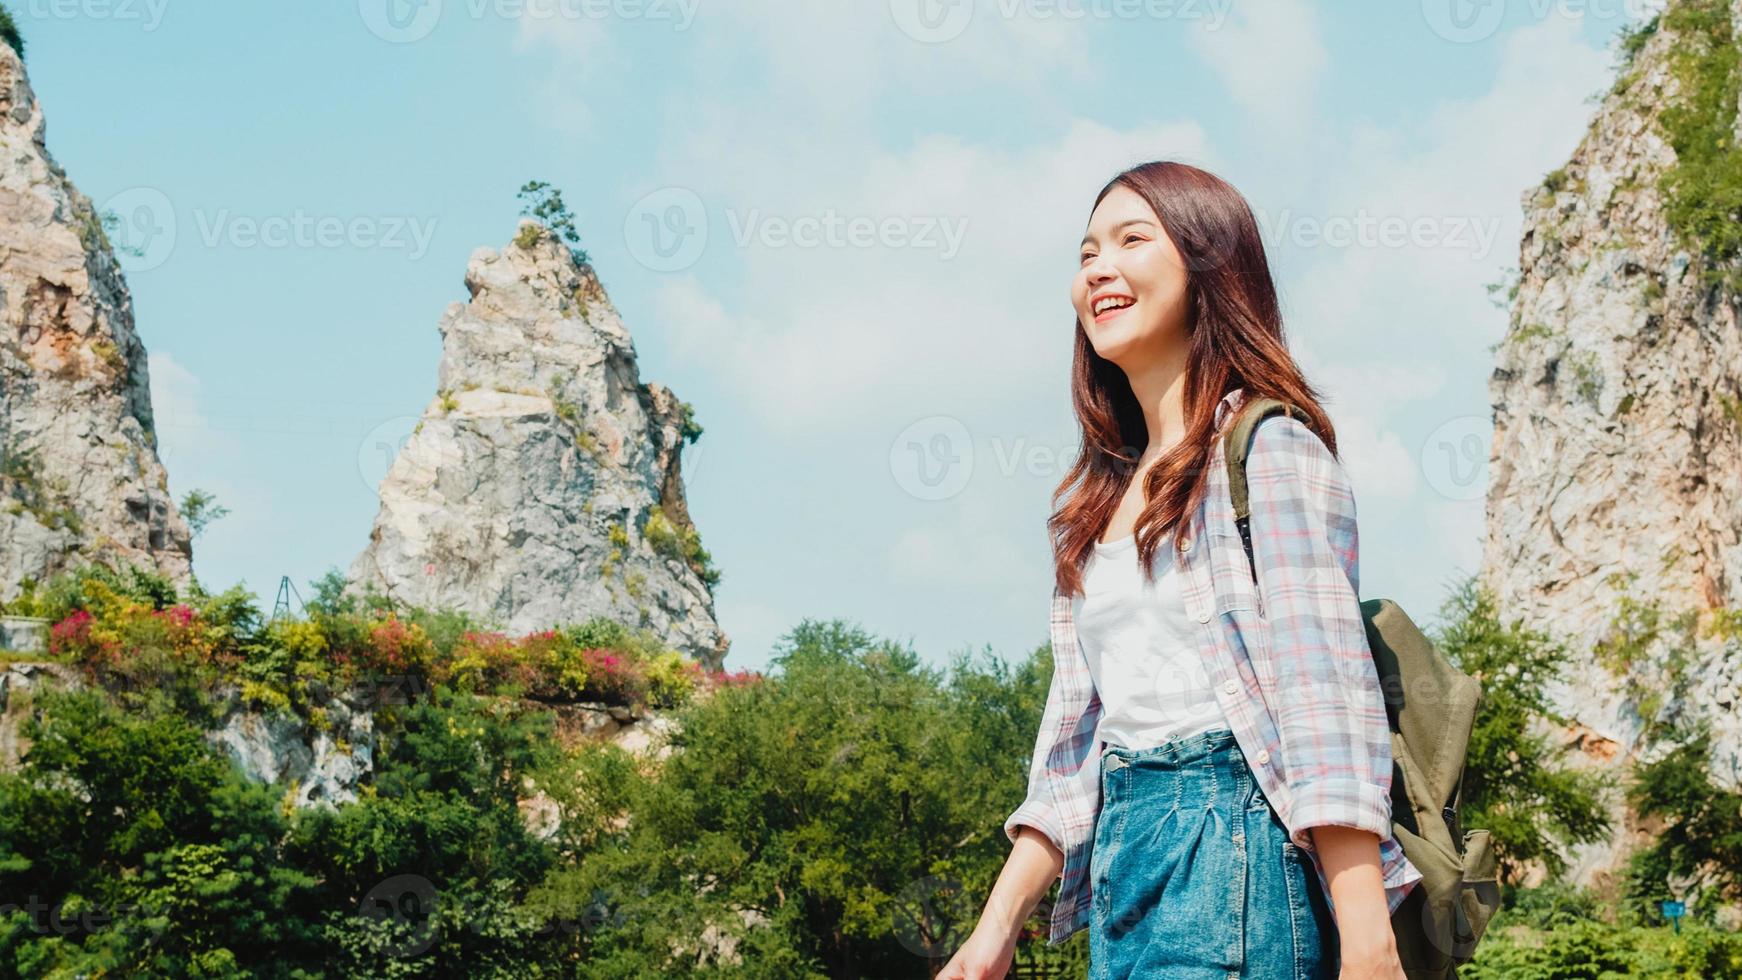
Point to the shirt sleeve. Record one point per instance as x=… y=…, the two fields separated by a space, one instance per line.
x=1059 y=773
x=1331 y=723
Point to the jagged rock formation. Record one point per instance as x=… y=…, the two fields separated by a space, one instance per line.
x=79 y=473
x=1617 y=399
x=542 y=483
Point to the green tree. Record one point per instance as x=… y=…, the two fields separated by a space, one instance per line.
x=544 y=202
x=1516 y=783
x=199 y=509
x=9 y=31
x=1701 y=839
x=140 y=850
x=842 y=818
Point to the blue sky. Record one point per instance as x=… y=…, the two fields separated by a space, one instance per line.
x=1384 y=147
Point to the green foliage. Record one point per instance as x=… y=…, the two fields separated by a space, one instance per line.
x=1649 y=651
x=544 y=203
x=763 y=809
x=1515 y=782
x=9 y=31
x=139 y=849
x=199 y=509
x=681 y=543
x=690 y=429
x=1703 y=190
x=1701 y=839
x=1631 y=38
x=48 y=499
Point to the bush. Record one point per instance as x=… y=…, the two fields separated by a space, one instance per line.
x=9 y=31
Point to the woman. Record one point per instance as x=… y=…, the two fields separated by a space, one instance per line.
x=1211 y=780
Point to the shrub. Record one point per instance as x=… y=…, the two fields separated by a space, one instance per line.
x=9 y=31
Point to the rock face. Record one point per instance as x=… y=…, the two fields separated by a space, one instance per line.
x=322 y=765
x=542 y=485
x=81 y=478
x=1617 y=399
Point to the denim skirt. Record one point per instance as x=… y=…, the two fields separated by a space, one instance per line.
x=1193 y=875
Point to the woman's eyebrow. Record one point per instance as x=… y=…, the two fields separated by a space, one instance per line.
x=1124 y=224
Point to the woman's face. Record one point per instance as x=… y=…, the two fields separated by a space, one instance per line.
x=1128 y=259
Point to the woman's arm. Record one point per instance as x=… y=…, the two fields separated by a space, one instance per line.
x=1351 y=861
x=1331 y=723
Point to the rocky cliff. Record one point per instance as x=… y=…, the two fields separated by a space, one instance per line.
x=79 y=473
x=542 y=483
x=1613 y=520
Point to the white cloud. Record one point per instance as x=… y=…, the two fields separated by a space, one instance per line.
x=1269 y=56
x=856 y=333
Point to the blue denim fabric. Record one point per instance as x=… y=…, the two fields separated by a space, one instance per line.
x=1193 y=874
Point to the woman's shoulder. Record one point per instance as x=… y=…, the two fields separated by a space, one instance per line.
x=1285 y=448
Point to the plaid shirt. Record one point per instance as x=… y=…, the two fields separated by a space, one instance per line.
x=1288 y=659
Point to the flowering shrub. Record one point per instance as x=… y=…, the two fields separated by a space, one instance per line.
x=111 y=623
x=672 y=678
x=71 y=638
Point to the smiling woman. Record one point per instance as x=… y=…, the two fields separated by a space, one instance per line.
x=1193 y=745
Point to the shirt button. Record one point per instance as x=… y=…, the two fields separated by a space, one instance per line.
x=1185 y=543
x=1231 y=687
x=1262 y=757
x=1204 y=616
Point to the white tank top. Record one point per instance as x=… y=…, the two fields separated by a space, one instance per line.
x=1144 y=653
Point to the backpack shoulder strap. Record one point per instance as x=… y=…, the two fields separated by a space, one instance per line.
x=1236 y=443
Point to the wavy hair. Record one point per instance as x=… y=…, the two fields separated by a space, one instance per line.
x=1234 y=326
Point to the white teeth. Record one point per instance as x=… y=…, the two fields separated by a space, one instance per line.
x=1111 y=302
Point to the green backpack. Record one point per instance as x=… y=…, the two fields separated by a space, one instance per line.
x=1431 y=707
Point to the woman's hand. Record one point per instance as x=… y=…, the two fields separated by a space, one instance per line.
x=985 y=956
x=1369 y=952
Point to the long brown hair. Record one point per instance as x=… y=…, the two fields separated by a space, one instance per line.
x=1235 y=330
